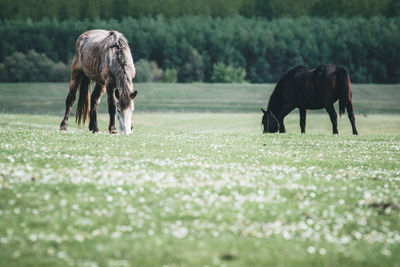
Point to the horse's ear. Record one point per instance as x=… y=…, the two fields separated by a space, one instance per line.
x=263 y=110
x=133 y=95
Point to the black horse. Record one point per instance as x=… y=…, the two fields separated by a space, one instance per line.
x=305 y=88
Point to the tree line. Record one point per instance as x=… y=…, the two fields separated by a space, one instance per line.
x=119 y=9
x=203 y=48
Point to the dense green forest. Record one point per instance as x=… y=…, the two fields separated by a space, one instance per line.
x=202 y=48
x=118 y=9
x=206 y=40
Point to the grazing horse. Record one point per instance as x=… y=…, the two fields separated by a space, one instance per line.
x=103 y=57
x=305 y=88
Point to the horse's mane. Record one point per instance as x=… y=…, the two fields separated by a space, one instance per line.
x=124 y=69
x=276 y=96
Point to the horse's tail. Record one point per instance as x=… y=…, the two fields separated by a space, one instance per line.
x=82 y=110
x=344 y=85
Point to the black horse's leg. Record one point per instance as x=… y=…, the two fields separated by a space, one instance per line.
x=111 y=109
x=282 y=128
x=350 y=113
x=281 y=116
x=332 y=114
x=94 y=103
x=76 y=77
x=303 y=113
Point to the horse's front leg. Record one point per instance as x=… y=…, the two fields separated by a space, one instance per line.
x=282 y=128
x=281 y=116
x=94 y=103
x=333 y=115
x=111 y=110
x=303 y=114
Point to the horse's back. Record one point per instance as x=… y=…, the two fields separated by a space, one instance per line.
x=309 y=88
x=94 y=36
x=96 y=50
x=323 y=85
x=99 y=40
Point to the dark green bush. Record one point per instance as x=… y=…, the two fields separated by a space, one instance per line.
x=32 y=67
x=60 y=72
x=227 y=74
x=157 y=72
x=41 y=66
x=193 y=69
x=3 y=73
x=17 y=68
x=170 y=76
x=143 y=71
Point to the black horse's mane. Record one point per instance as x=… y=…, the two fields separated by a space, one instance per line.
x=275 y=99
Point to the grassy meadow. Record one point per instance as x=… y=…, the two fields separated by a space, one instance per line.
x=49 y=98
x=198 y=184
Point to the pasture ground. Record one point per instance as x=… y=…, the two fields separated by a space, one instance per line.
x=199 y=189
x=49 y=98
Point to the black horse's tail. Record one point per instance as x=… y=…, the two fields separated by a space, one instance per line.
x=82 y=110
x=344 y=86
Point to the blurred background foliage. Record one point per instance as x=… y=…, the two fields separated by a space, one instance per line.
x=195 y=41
x=119 y=9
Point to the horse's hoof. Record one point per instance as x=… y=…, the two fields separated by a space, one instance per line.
x=63 y=126
x=113 y=131
x=92 y=126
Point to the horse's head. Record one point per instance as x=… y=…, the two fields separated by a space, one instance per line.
x=269 y=122
x=125 y=107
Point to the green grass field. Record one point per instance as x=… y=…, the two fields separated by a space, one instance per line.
x=198 y=188
x=49 y=98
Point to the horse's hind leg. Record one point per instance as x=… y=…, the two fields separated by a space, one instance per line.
x=94 y=103
x=76 y=77
x=333 y=115
x=303 y=113
x=350 y=113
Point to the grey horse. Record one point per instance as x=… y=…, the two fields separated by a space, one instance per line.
x=102 y=57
